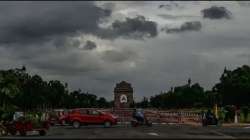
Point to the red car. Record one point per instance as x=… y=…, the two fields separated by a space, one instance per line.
x=80 y=117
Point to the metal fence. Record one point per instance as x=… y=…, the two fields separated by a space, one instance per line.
x=158 y=116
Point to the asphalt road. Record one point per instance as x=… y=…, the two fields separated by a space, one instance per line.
x=156 y=131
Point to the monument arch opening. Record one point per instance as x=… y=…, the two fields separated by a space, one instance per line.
x=123 y=95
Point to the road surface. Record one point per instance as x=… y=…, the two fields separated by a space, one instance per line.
x=156 y=131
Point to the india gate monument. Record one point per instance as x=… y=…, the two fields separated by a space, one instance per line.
x=123 y=95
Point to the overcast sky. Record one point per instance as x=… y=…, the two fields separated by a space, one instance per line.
x=152 y=45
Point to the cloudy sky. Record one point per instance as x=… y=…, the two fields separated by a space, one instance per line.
x=152 y=45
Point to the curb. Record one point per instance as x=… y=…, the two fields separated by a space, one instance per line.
x=152 y=123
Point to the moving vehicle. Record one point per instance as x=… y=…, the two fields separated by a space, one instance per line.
x=139 y=118
x=209 y=119
x=78 y=117
x=136 y=123
x=23 y=124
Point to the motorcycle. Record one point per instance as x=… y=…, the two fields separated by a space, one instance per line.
x=210 y=121
x=135 y=123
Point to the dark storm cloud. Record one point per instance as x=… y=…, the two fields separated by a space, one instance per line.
x=187 y=26
x=215 y=12
x=90 y=45
x=169 y=6
x=30 y=22
x=165 y=60
x=132 y=28
x=133 y=25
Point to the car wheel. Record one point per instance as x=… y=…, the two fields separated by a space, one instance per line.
x=23 y=133
x=3 y=132
x=133 y=124
x=42 y=132
x=149 y=124
x=13 y=132
x=204 y=124
x=52 y=124
x=76 y=124
x=63 y=122
x=107 y=124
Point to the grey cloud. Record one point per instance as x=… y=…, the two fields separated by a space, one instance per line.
x=64 y=63
x=108 y=5
x=30 y=22
x=63 y=42
x=215 y=12
x=244 y=55
x=138 y=24
x=187 y=26
x=132 y=28
x=90 y=45
x=169 y=16
x=166 y=60
x=170 y=6
x=119 y=56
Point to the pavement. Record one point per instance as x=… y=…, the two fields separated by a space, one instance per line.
x=125 y=131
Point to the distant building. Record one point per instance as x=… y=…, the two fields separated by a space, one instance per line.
x=123 y=95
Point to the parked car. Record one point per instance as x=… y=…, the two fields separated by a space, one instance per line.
x=78 y=117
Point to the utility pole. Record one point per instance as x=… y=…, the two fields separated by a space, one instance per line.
x=236 y=115
x=216 y=105
x=216 y=110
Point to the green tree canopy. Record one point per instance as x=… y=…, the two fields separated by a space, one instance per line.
x=234 y=86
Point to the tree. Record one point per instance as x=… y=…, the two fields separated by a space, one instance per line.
x=57 y=92
x=144 y=103
x=102 y=103
x=9 y=87
x=19 y=89
x=181 y=96
x=234 y=86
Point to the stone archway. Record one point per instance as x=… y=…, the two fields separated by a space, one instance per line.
x=123 y=95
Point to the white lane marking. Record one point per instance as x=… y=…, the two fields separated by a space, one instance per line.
x=153 y=134
x=224 y=135
x=247 y=127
